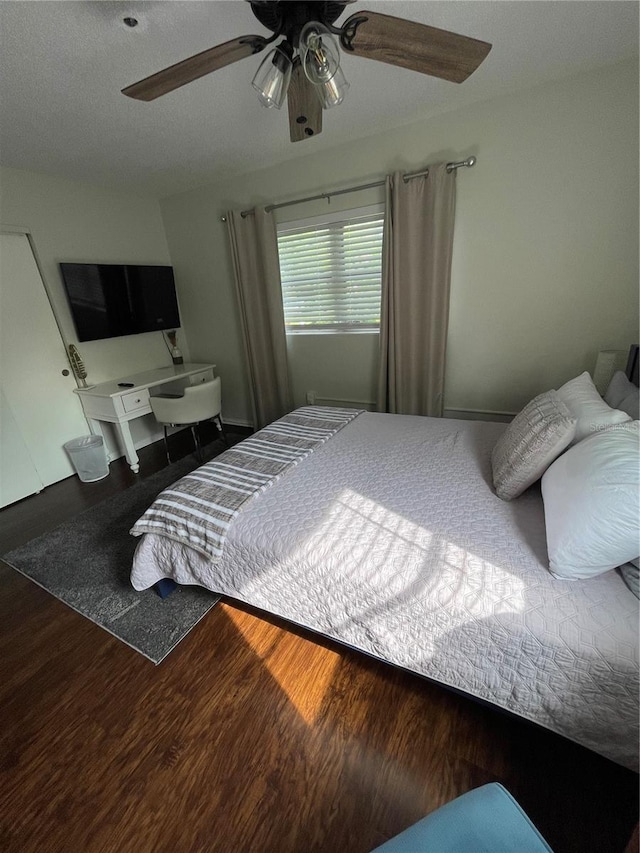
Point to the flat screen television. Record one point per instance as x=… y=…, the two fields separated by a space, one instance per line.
x=111 y=300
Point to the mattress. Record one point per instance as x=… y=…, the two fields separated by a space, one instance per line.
x=390 y=538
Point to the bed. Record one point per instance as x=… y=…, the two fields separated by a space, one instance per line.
x=388 y=536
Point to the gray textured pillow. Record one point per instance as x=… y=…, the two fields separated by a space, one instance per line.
x=533 y=439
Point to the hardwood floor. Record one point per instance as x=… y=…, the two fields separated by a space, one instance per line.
x=250 y=736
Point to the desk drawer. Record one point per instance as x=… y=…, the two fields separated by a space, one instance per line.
x=203 y=376
x=136 y=400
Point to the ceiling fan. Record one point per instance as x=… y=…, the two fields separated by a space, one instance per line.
x=305 y=66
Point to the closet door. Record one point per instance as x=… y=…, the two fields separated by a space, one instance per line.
x=42 y=407
x=18 y=475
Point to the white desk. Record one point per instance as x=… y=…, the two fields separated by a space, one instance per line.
x=110 y=402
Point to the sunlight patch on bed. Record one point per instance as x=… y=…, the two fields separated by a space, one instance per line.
x=386 y=562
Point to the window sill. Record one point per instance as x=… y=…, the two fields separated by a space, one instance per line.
x=295 y=332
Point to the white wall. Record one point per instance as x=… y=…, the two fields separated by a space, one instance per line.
x=73 y=221
x=545 y=269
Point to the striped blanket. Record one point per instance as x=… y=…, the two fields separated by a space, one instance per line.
x=198 y=509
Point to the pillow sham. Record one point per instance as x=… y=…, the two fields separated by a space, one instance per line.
x=591 y=500
x=623 y=395
x=581 y=397
x=631 y=405
x=534 y=438
x=631 y=576
x=618 y=389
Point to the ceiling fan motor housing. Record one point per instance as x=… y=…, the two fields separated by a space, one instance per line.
x=288 y=17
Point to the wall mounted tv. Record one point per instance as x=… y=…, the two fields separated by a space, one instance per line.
x=111 y=300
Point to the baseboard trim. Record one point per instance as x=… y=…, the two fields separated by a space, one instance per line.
x=463 y=414
x=238 y=422
x=479 y=415
x=341 y=401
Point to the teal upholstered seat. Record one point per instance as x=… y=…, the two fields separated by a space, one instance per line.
x=486 y=820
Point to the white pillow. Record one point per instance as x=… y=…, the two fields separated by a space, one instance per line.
x=617 y=389
x=631 y=405
x=624 y=395
x=534 y=438
x=592 y=504
x=585 y=404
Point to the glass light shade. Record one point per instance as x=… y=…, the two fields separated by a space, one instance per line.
x=272 y=78
x=333 y=91
x=320 y=55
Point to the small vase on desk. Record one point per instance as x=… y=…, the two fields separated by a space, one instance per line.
x=176 y=355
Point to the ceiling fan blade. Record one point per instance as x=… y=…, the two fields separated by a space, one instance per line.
x=305 y=111
x=196 y=66
x=418 y=47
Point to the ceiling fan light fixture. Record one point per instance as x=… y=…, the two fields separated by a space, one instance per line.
x=332 y=92
x=319 y=53
x=271 y=80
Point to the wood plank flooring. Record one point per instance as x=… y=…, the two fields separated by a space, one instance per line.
x=250 y=736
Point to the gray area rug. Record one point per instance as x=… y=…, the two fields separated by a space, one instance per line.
x=86 y=563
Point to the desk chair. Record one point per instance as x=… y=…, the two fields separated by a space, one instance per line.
x=199 y=403
x=485 y=820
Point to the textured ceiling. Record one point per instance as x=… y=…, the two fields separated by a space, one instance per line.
x=63 y=64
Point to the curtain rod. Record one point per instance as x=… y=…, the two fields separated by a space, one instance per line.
x=469 y=162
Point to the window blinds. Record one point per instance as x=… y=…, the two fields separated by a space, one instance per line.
x=331 y=273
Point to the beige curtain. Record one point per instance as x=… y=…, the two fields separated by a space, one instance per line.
x=254 y=247
x=416 y=271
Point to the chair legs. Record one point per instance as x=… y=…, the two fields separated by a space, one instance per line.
x=196 y=438
x=196 y=441
x=166 y=444
x=218 y=422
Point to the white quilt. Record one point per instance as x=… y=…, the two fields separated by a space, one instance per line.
x=390 y=538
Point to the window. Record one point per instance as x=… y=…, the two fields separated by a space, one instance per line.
x=331 y=268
